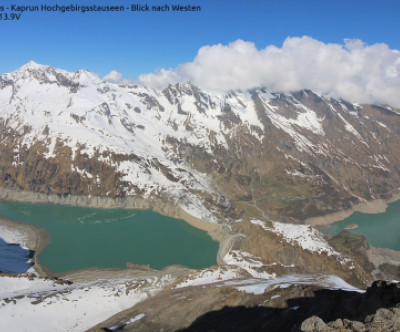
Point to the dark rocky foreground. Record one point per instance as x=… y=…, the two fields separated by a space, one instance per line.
x=296 y=308
x=330 y=310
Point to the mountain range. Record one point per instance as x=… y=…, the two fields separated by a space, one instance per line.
x=256 y=163
x=243 y=153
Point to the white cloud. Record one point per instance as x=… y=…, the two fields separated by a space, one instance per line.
x=353 y=70
x=115 y=77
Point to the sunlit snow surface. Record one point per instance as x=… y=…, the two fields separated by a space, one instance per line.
x=305 y=236
x=14 y=256
x=256 y=286
x=44 y=305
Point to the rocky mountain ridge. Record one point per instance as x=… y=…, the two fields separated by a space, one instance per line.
x=245 y=153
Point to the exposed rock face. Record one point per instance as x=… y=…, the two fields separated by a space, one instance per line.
x=294 y=308
x=252 y=153
x=355 y=246
x=367 y=317
x=383 y=321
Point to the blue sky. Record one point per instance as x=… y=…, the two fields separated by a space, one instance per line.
x=134 y=43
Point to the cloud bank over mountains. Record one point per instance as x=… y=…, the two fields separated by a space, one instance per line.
x=353 y=70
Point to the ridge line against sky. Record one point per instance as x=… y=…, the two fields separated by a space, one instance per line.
x=135 y=43
x=354 y=71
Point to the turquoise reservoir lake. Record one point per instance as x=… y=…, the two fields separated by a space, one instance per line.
x=109 y=238
x=381 y=230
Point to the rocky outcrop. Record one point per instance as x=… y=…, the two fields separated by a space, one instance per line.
x=377 y=311
x=355 y=246
x=384 y=320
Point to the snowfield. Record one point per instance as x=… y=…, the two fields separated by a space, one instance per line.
x=36 y=304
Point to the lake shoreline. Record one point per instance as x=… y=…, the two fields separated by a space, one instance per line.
x=38 y=238
x=130 y=203
x=34 y=238
x=368 y=207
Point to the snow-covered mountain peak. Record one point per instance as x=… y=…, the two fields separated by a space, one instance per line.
x=32 y=65
x=44 y=74
x=33 y=72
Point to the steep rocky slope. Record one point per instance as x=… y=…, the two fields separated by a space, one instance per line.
x=245 y=153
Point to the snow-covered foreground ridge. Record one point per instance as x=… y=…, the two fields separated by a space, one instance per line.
x=36 y=304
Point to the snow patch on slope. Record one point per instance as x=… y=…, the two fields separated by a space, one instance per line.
x=304 y=236
x=307 y=120
x=254 y=286
x=247 y=262
x=209 y=276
